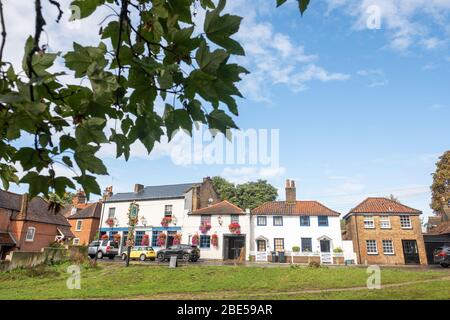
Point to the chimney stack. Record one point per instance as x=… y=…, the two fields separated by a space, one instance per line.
x=291 y=196
x=138 y=188
x=79 y=198
x=107 y=193
x=24 y=206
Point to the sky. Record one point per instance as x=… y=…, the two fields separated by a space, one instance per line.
x=360 y=106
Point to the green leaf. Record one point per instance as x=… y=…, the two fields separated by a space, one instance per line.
x=219 y=29
x=86 y=160
x=280 y=2
x=84 y=59
x=82 y=8
x=175 y=119
x=210 y=61
x=303 y=5
x=89 y=184
x=67 y=142
x=67 y=161
x=219 y=120
x=60 y=184
x=37 y=183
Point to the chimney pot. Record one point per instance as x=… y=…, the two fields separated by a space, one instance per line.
x=138 y=187
x=288 y=184
x=80 y=197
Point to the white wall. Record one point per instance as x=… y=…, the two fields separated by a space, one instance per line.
x=191 y=226
x=292 y=232
x=152 y=210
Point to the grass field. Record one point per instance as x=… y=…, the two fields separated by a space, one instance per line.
x=223 y=282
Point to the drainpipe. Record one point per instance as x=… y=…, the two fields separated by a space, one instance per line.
x=99 y=228
x=250 y=232
x=357 y=238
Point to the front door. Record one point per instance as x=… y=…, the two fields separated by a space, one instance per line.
x=411 y=252
x=235 y=245
x=170 y=236
x=325 y=246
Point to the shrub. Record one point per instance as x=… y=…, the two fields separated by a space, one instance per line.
x=296 y=249
x=338 y=250
x=314 y=264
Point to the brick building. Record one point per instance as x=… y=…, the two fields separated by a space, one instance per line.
x=384 y=231
x=28 y=225
x=85 y=223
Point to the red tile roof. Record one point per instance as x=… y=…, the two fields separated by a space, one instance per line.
x=6 y=239
x=443 y=228
x=223 y=207
x=299 y=208
x=382 y=205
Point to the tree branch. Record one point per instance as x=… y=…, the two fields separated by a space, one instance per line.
x=3 y=31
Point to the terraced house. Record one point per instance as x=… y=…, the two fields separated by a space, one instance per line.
x=162 y=212
x=302 y=230
x=384 y=231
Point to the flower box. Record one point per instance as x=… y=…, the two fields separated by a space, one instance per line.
x=166 y=221
x=234 y=227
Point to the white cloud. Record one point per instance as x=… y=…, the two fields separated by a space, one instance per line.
x=408 y=22
x=376 y=77
x=245 y=174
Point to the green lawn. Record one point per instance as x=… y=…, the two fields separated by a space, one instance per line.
x=216 y=282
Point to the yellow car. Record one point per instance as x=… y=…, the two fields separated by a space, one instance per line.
x=141 y=253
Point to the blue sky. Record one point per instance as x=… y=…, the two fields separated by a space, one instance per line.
x=360 y=112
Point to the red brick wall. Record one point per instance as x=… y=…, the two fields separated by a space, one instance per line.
x=4 y=219
x=88 y=229
x=45 y=234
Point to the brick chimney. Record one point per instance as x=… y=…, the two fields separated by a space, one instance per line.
x=79 y=198
x=138 y=188
x=107 y=193
x=291 y=196
x=23 y=207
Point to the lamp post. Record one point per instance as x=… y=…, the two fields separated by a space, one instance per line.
x=133 y=212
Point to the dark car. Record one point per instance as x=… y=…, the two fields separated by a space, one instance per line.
x=182 y=251
x=442 y=256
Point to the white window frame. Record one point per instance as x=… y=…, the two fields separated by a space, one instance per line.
x=27 y=239
x=376 y=247
x=392 y=246
x=409 y=222
x=79 y=225
x=76 y=241
x=384 y=219
x=113 y=211
x=371 y=220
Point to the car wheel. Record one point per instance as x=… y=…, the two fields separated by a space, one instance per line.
x=161 y=257
x=142 y=257
x=99 y=255
x=195 y=260
x=444 y=265
x=186 y=257
x=124 y=256
x=111 y=257
x=92 y=256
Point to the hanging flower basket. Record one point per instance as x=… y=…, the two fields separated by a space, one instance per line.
x=215 y=240
x=110 y=222
x=205 y=227
x=234 y=227
x=105 y=237
x=117 y=237
x=177 y=238
x=145 y=240
x=195 y=239
x=161 y=241
x=166 y=221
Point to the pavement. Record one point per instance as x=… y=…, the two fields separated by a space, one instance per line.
x=203 y=262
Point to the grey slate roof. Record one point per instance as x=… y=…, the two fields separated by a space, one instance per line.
x=171 y=191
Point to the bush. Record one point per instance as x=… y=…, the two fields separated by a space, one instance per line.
x=314 y=264
x=296 y=249
x=338 y=250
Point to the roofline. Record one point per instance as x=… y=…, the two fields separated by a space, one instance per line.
x=143 y=199
x=252 y=211
x=415 y=213
x=215 y=205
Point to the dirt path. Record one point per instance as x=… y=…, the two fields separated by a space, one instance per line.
x=269 y=294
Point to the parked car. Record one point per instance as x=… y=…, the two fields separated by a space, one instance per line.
x=182 y=251
x=442 y=256
x=141 y=253
x=103 y=248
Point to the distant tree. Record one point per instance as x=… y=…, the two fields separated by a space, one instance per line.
x=248 y=195
x=393 y=198
x=440 y=189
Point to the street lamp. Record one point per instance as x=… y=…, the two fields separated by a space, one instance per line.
x=144 y=221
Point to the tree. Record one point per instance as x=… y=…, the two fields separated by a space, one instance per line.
x=393 y=198
x=440 y=189
x=148 y=51
x=246 y=196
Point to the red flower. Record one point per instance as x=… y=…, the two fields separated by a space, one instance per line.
x=165 y=221
x=110 y=222
x=105 y=237
x=195 y=239
x=161 y=239
x=177 y=238
x=145 y=240
x=215 y=240
x=234 y=227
